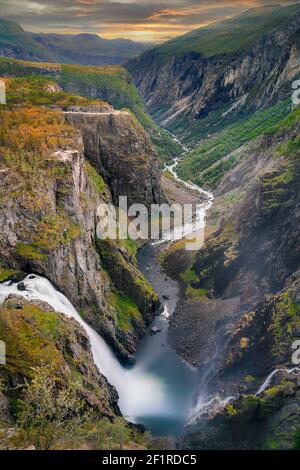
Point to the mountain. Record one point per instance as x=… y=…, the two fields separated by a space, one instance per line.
x=86 y=49
x=201 y=82
x=73 y=137
x=15 y=42
x=239 y=309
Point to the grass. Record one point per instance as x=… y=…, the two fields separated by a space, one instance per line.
x=96 y=180
x=189 y=275
x=195 y=294
x=30 y=334
x=6 y=273
x=29 y=137
x=34 y=91
x=131 y=246
x=228 y=36
x=127 y=311
x=206 y=164
x=110 y=83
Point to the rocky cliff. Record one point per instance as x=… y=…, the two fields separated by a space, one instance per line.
x=120 y=150
x=202 y=81
x=112 y=84
x=52 y=396
x=49 y=199
x=35 y=335
x=256 y=417
x=239 y=310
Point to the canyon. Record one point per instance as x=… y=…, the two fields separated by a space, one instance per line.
x=217 y=373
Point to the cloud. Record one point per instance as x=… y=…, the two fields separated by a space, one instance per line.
x=135 y=19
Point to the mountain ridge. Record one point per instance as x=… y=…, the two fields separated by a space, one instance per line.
x=84 y=48
x=194 y=95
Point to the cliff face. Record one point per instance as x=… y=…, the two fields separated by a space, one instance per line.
x=49 y=201
x=118 y=147
x=251 y=254
x=239 y=310
x=181 y=88
x=259 y=343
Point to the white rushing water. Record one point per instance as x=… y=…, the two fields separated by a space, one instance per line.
x=270 y=377
x=188 y=184
x=140 y=392
x=220 y=403
x=196 y=221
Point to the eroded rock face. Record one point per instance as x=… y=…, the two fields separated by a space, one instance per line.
x=257 y=246
x=255 y=368
x=68 y=206
x=120 y=150
x=267 y=422
x=251 y=255
x=191 y=86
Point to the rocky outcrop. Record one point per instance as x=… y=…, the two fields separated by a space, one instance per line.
x=121 y=151
x=257 y=346
x=267 y=422
x=262 y=339
x=183 y=88
x=51 y=230
x=253 y=252
x=50 y=338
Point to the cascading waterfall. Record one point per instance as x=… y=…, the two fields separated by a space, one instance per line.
x=220 y=403
x=136 y=388
x=269 y=379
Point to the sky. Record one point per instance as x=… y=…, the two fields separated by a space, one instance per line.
x=139 y=20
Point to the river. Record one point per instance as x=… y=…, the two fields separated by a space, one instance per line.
x=158 y=390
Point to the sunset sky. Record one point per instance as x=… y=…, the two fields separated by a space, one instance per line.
x=140 y=20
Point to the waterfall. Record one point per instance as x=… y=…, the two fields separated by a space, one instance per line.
x=218 y=402
x=268 y=380
x=158 y=390
x=140 y=393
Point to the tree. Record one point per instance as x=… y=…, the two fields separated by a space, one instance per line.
x=48 y=415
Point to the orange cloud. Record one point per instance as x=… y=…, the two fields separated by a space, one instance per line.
x=145 y=32
x=203 y=8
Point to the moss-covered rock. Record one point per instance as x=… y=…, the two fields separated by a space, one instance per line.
x=36 y=335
